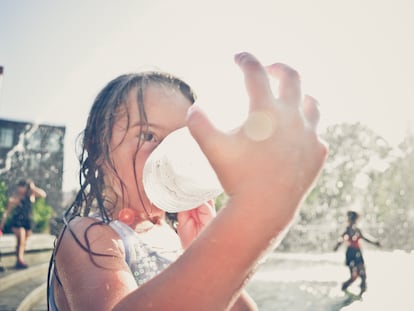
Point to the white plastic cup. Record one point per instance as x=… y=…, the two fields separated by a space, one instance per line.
x=177 y=175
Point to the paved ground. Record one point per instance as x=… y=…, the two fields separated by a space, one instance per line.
x=8 y=297
x=305 y=282
x=16 y=284
x=311 y=282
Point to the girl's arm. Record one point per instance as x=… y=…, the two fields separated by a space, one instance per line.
x=266 y=167
x=36 y=191
x=11 y=203
x=340 y=241
x=370 y=240
x=190 y=224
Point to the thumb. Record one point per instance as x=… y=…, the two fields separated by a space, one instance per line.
x=204 y=132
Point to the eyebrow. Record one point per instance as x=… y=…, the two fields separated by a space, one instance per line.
x=150 y=125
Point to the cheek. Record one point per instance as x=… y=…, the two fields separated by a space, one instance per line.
x=123 y=160
x=140 y=160
x=127 y=159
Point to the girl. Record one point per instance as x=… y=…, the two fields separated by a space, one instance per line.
x=354 y=259
x=20 y=206
x=116 y=252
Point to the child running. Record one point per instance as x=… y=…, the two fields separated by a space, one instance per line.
x=354 y=259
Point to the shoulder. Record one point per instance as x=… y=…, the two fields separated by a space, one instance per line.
x=86 y=236
x=13 y=201
x=81 y=224
x=89 y=256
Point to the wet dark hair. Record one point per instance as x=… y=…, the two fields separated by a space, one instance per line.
x=352 y=216
x=23 y=183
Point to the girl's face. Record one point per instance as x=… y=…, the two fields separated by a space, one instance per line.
x=166 y=111
x=22 y=190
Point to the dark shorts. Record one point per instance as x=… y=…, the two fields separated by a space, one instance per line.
x=354 y=257
x=20 y=221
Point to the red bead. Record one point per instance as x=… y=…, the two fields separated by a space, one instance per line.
x=127 y=216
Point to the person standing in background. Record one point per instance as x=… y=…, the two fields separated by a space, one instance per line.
x=20 y=207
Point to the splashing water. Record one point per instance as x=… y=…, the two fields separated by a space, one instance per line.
x=28 y=132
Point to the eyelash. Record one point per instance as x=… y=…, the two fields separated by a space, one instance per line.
x=148 y=137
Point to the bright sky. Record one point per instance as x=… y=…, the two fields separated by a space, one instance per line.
x=355 y=56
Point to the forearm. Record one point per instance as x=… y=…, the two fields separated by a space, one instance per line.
x=3 y=220
x=218 y=263
x=248 y=230
x=372 y=241
x=38 y=192
x=339 y=243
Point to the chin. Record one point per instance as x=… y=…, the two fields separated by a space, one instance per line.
x=155 y=215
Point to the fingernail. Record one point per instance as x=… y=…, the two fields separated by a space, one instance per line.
x=238 y=56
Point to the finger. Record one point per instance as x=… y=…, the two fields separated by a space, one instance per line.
x=204 y=132
x=289 y=82
x=256 y=80
x=311 y=111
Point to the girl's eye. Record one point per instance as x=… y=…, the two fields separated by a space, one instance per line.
x=148 y=137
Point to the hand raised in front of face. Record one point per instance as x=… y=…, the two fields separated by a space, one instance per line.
x=276 y=154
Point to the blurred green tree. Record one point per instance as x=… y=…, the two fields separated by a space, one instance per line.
x=3 y=198
x=42 y=213
x=389 y=200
